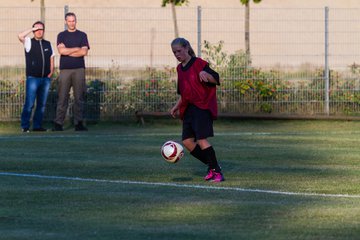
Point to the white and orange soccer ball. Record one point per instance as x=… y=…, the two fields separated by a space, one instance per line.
x=172 y=151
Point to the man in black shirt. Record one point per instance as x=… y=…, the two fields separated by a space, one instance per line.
x=72 y=45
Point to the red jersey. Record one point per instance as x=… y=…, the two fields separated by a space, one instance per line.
x=193 y=91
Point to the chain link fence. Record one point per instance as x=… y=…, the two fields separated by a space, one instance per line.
x=303 y=62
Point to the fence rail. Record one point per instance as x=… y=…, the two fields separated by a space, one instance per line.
x=303 y=61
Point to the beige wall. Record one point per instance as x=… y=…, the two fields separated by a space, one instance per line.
x=295 y=38
x=193 y=3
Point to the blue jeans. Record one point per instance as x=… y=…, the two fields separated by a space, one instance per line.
x=36 y=88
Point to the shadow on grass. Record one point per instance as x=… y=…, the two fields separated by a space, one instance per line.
x=182 y=179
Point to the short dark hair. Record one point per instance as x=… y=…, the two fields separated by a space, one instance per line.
x=70 y=14
x=39 y=22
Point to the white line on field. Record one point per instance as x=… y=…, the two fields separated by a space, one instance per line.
x=193 y=186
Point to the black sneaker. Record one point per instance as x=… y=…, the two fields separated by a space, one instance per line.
x=39 y=129
x=80 y=127
x=57 y=127
x=25 y=130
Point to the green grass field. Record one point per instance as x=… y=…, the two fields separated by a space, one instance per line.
x=284 y=180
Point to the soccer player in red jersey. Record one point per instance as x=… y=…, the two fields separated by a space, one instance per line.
x=197 y=105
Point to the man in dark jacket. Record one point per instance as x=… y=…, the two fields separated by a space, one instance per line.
x=39 y=57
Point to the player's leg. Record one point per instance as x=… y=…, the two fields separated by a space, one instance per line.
x=203 y=128
x=189 y=144
x=188 y=138
x=194 y=149
x=214 y=170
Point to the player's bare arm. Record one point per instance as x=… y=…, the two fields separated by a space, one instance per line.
x=175 y=108
x=207 y=77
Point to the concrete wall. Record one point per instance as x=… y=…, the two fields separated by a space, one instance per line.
x=193 y=3
x=283 y=32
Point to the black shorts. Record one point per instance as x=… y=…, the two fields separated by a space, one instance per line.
x=197 y=123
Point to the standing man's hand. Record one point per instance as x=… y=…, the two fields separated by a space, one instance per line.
x=35 y=28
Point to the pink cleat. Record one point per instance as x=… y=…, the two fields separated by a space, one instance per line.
x=210 y=175
x=218 y=177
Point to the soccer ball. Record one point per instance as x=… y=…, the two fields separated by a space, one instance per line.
x=172 y=151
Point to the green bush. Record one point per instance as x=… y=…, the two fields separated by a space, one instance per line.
x=115 y=93
x=243 y=83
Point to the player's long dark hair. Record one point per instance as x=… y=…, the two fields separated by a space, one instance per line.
x=184 y=43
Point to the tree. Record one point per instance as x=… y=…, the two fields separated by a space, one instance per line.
x=173 y=4
x=42 y=10
x=247 y=23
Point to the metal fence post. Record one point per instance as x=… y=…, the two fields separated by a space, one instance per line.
x=199 y=30
x=326 y=68
x=66 y=10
